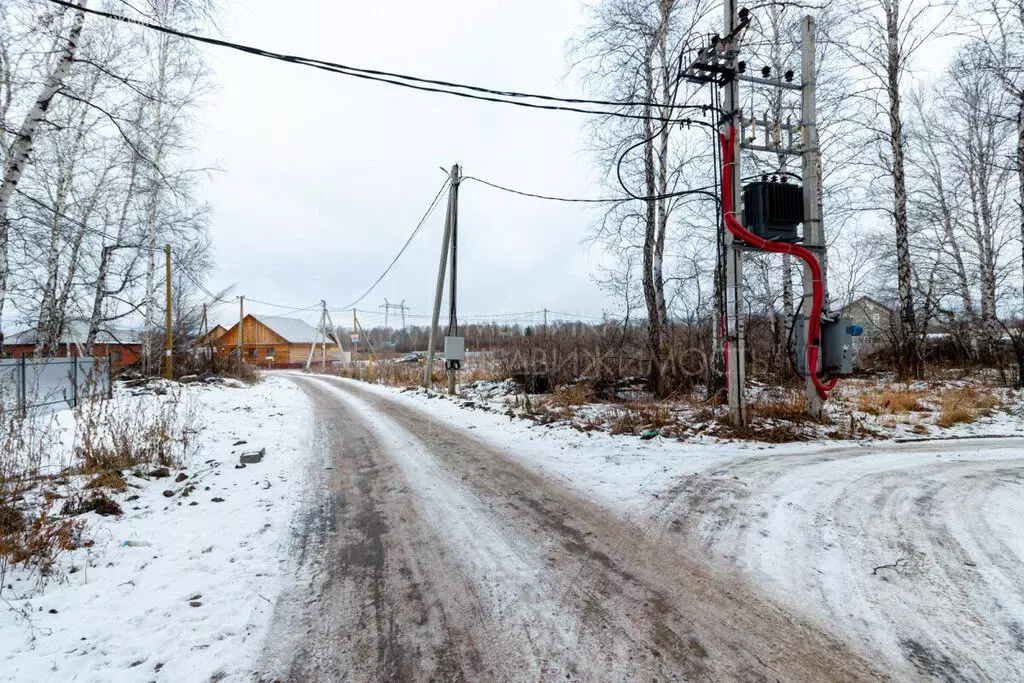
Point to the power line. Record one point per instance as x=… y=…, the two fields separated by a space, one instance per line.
x=708 y=190
x=414 y=82
x=401 y=251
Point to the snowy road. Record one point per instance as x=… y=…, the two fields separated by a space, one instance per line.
x=914 y=550
x=433 y=554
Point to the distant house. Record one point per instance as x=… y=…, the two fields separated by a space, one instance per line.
x=124 y=347
x=276 y=342
x=874 y=316
x=212 y=336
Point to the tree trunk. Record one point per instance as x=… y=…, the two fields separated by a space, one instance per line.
x=910 y=365
x=100 y=293
x=650 y=230
x=22 y=147
x=662 y=185
x=154 y=205
x=1020 y=176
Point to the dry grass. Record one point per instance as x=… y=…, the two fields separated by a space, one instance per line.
x=788 y=406
x=965 y=405
x=573 y=395
x=634 y=417
x=113 y=481
x=891 y=401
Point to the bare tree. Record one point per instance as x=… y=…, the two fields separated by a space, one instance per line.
x=17 y=156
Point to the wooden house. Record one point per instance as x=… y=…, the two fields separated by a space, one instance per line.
x=273 y=342
x=212 y=336
x=124 y=347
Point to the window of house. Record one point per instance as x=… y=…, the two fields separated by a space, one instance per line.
x=876 y=319
x=270 y=354
x=252 y=353
x=115 y=356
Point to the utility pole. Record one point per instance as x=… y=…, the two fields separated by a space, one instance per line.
x=401 y=307
x=813 y=234
x=323 y=340
x=451 y=218
x=545 y=322
x=241 y=317
x=323 y=336
x=735 y=334
x=168 y=336
x=355 y=333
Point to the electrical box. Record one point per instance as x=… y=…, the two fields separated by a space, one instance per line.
x=773 y=210
x=836 y=351
x=837 y=346
x=455 y=348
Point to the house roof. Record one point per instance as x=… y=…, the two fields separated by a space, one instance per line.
x=876 y=302
x=293 y=330
x=76 y=332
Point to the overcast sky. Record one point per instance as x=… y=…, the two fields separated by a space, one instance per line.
x=325 y=176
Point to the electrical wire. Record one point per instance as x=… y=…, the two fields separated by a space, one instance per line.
x=707 y=190
x=401 y=80
x=401 y=251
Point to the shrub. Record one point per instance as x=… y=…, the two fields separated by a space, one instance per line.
x=112 y=436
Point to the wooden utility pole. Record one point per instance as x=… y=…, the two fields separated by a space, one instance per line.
x=449 y=224
x=168 y=336
x=813 y=234
x=241 y=317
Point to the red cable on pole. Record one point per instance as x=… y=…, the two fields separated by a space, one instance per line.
x=737 y=229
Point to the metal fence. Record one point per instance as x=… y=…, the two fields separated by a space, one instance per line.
x=54 y=383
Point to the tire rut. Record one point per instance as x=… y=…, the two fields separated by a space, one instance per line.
x=373 y=599
x=659 y=608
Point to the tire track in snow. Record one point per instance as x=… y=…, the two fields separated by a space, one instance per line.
x=410 y=581
x=657 y=611
x=912 y=550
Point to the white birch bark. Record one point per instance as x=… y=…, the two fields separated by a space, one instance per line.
x=15 y=165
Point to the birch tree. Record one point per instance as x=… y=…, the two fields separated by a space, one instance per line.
x=16 y=158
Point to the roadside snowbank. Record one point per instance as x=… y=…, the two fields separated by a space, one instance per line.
x=191 y=598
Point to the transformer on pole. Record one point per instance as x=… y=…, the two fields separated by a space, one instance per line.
x=772 y=209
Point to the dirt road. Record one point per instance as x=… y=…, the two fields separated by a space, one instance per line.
x=432 y=555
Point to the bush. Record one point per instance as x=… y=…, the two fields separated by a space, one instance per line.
x=111 y=436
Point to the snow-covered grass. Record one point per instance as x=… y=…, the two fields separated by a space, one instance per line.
x=181 y=586
x=859 y=409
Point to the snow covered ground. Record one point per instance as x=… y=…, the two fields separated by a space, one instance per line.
x=913 y=549
x=190 y=597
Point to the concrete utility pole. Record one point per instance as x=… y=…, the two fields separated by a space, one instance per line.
x=545 y=322
x=814 y=238
x=323 y=336
x=735 y=333
x=355 y=332
x=168 y=336
x=449 y=225
x=241 y=317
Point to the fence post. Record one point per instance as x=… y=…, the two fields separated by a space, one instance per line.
x=23 y=403
x=110 y=376
x=74 y=381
